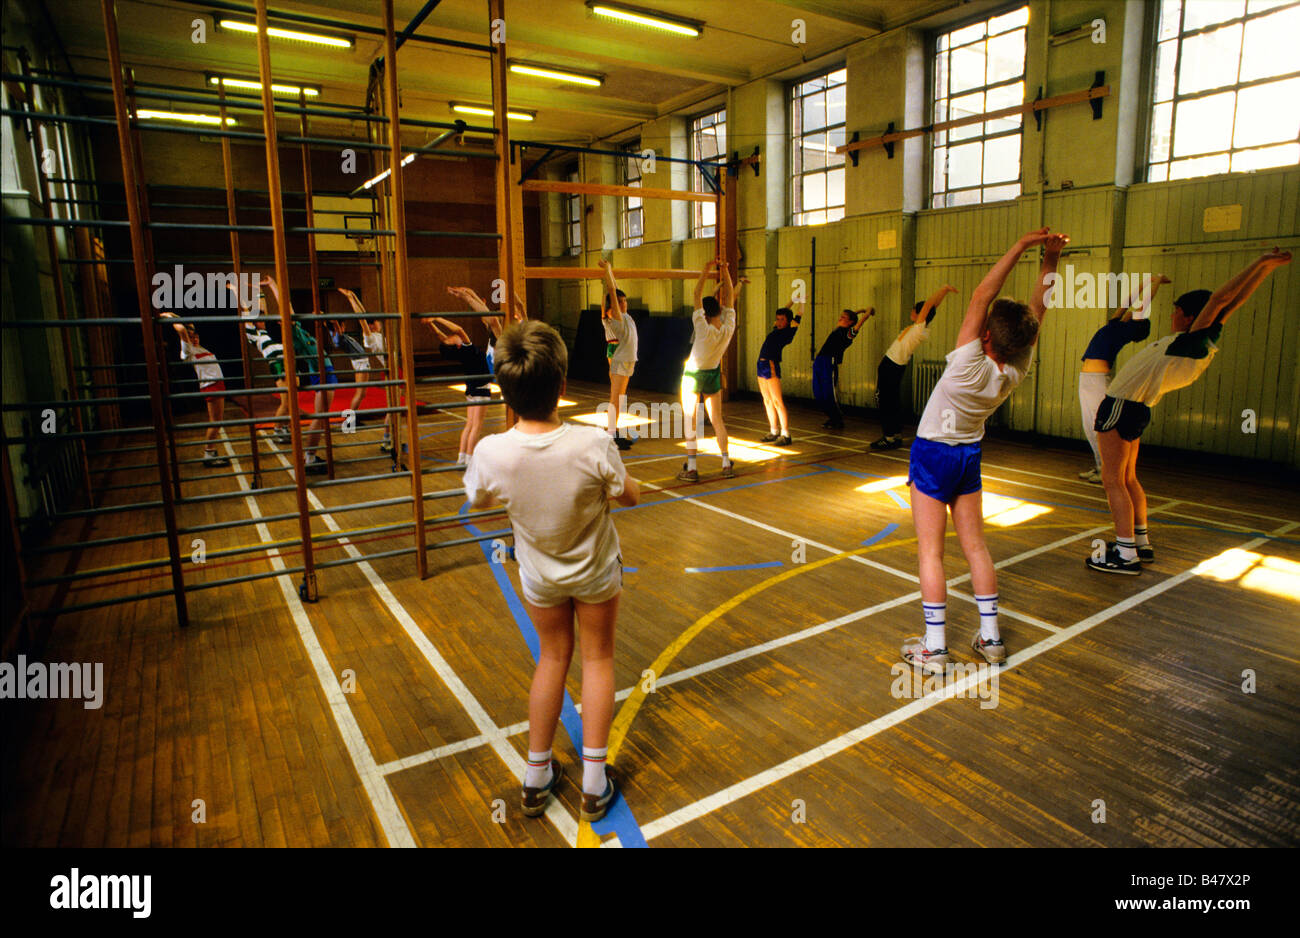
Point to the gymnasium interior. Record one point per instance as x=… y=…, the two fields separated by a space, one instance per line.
x=233 y=651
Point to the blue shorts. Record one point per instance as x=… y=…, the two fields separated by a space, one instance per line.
x=768 y=368
x=943 y=472
x=313 y=379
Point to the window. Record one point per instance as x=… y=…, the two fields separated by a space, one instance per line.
x=572 y=214
x=708 y=139
x=632 y=228
x=1227 y=90
x=977 y=69
x=817 y=128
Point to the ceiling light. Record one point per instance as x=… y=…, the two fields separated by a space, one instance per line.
x=647 y=18
x=210 y=119
x=279 y=32
x=250 y=84
x=538 y=71
x=481 y=111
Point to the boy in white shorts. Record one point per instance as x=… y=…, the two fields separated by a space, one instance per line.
x=995 y=346
x=556 y=480
x=211 y=380
x=620 y=349
x=715 y=323
x=1164 y=365
x=372 y=340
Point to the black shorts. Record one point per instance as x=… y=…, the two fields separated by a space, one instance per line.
x=1128 y=418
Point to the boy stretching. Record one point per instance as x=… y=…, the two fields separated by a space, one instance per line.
x=620 y=349
x=769 y=372
x=715 y=323
x=994 y=348
x=826 y=366
x=555 y=480
x=1165 y=365
x=889 y=375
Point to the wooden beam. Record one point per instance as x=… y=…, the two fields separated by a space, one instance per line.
x=1029 y=107
x=600 y=188
x=595 y=273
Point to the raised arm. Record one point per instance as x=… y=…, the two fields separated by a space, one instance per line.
x=1141 y=308
x=931 y=305
x=1226 y=300
x=726 y=289
x=469 y=296
x=521 y=311
x=451 y=329
x=179 y=327
x=699 y=284
x=1046 y=271
x=611 y=287
x=977 y=311
x=863 y=316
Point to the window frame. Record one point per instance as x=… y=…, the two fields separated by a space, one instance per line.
x=572 y=224
x=795 y=176
x=698 y=228
x=625 y=208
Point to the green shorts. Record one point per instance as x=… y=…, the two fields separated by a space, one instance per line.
x=277 y=366
x=702 y=383
x=610 y=349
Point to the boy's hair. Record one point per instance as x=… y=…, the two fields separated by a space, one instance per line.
x=920 y=304
x=1012 y=328
x=621 y=296
x=531 y=362
x=711 y=306
x=786 y=312
x=1192 y=302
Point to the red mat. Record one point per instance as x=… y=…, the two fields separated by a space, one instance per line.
x=375 y=399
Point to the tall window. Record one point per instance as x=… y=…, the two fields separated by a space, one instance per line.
x=1227 y=88
x=817 y=128
x=977 y=69
x=632 y=227
x=708 y=139
x=572 y=215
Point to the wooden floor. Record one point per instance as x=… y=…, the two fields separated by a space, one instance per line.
x=776 y=718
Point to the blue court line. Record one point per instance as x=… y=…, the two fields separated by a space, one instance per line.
x=899 y=500
x=731 y=488
x=619 y=820
x=631 y=569
x=881 y=534
x=739 y=566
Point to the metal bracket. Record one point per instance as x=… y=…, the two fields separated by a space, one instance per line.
x=710 y=177
x=1096 y=103
x=523 y=177
x=889 y=147
x=1038 y=115
x=853 y=154
x=754 y=156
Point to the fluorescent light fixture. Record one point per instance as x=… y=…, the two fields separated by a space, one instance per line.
x=647 y=18
x=481 y=111
x=252 y=84
x=212 y=120
x=294 y=35
x=544 y=71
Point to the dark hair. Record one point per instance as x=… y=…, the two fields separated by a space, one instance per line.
x=711 y=306
x=1012 y=328
x=1192 y=302
x=786 y=312
x=531 y=362
x=609 y=304
x=919 y=305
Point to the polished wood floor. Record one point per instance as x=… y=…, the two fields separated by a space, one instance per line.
x=777 y=717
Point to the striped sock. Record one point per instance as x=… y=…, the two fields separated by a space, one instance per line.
x=935 y=626
x=1127 y=548
x=593 y=770
x=538 y=774
x=1140 y=537
x=988 y=606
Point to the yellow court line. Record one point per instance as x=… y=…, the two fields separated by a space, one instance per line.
x=627 y=713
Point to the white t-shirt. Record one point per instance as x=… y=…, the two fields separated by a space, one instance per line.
x=900 y=353
x=555 y=487
x=373 y=342
x=204 y=362
x=710 y=341
x=1152 y=373
x=622 y=331
x=971 y=388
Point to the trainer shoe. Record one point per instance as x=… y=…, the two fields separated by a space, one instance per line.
x=1113 y=563
x=281 y=437
x=317 y=467
x=623 y=443
x=783 y=440
x=770 y=438
x=915 y=652
x=994 y=652
x=1146 y=554
x=534 y=800
x=882 y=443
x=895 y=442
x=385 y=445
x=729 y=471
x=216 y=462
x=594 y=807
x=1092 y=475
x=688 y=475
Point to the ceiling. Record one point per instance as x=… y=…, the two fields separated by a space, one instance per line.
x=647 y=72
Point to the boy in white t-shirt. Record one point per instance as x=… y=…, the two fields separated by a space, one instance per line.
x=211 y=381
x=1164 y=365
x=620 y=349
x=715 y=323
x=994 y=348
x=889 y=375
x=372 y=340
x=555 y=480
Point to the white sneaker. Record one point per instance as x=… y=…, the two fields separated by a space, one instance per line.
x=1092 y=475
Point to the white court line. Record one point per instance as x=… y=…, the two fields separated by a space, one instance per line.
x=555 y=811
x=840 y=743
x=394 y=826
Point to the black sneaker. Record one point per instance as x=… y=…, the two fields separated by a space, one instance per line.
x=688 y=475
x=317 y=467
x=623 y=443
x=215 y=461
x=783 y=441
x=1146 y=554
x=1113 y=563
x=770 y=438
x=882 y=443
x=386 y=445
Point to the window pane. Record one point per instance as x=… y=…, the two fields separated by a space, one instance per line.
x=835 y=187
x=1158 y=173
x=1006 y=56
x=707 y=213
x=1206 y=12
x=968 y=67
x=966 y=106
x=814 y=191
x=814 y=151
x=1004 y=96
x=965 y=197
x=941 y=75
x=1255 y=6
x=1166 y=59
x=835 y=214
x=838 y=77
x=835 y=104
x=634 y=224
x=940 y=169
x=1203 y=125
x=968 y=34
x=1000 y=193
x=1201 y=166
x=1265 y=157
x=1008 y=21
x=814 y=112
x=834 y=138
x=1268 y=113
x=964 y=165
x=1002 y=159
x=1170 y=10
x=814 y=218
x=1210 y=59
x=1270 y=45
x=1161 y=119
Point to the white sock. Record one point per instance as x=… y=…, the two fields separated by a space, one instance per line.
x=463 y=458
x=209 y=452
x=538 y=774
x=785 y=431
x=593 y=770
x=988 y=606
x=936 y=614
x=1127 y=549
x=690 y=462
x=1140 y=537
x=726 y=460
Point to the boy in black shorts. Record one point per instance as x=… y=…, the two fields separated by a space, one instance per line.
x=826 y=366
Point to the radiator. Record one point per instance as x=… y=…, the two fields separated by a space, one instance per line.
x=925 y=375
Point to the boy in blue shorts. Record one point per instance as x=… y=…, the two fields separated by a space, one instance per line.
x=994 y=348
x=769 y=371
